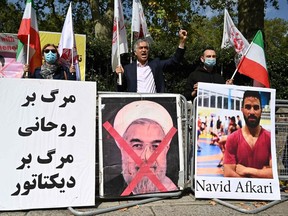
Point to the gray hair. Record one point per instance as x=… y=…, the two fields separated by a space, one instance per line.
x=136 y=44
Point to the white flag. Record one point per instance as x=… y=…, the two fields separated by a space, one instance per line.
x=232 y=36
x=119 y=40
x=139 y=25
x=67 y=44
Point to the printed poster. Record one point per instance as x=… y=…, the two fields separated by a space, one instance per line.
x=235 y=152
x=9 y=68
x=47 y=156
x=140 y=149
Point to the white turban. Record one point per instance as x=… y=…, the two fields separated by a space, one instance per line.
x=142 y=109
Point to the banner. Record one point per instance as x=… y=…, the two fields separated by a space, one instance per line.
x=235 y=157
x=141 y=149
x=48 y=143
x=9 y=68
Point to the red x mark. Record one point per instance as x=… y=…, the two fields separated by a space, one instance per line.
x=144 y=166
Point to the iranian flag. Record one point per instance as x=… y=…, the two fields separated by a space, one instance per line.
x=29 y=49
x=253 y=64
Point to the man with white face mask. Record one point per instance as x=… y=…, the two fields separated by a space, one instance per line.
x=205 y=73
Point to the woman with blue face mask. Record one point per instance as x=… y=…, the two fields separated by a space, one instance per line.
x=51 y=68
x=206 y=72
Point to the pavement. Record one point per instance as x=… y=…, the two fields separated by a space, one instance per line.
x=185 y=204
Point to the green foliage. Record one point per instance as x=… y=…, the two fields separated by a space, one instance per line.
x=164 y=19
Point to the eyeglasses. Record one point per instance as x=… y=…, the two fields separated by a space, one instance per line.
x=48 y=50
x=249 y=107
x=210 y=56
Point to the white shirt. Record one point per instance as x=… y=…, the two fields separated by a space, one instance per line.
x=145 y=79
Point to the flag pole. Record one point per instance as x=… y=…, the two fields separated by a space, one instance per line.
x=131 y=44
x=118 y=48
x=26 y=75
x=72 y=54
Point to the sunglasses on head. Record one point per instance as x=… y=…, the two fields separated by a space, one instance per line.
x=48 y=50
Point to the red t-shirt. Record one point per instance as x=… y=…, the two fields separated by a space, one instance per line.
x=238 y=150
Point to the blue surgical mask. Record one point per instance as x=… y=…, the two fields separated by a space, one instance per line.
x=210 y=62
x=50 y=57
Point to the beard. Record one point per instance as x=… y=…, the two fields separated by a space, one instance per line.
x=145 y=185
x=252 y=121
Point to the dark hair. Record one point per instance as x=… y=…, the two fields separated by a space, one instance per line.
x=254 y=94
x=2 y=60
x=208 y=48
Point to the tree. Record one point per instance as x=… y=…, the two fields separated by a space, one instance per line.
x=164 y=18
x=10 y=17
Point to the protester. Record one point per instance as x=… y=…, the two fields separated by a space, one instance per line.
x=144 y=75
x=206 y=72
x=248 y=150
x=51 y=68
x=239 y=121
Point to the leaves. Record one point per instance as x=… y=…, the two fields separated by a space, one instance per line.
x=164 y=19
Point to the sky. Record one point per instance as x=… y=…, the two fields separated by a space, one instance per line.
x=272 y=13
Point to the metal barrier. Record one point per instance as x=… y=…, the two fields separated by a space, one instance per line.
x=281 y=129
x=146 y=198
x=188 y=112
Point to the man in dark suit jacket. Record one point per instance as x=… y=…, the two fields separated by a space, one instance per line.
x=145 y=76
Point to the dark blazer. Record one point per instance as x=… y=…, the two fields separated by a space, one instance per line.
x=129 y=79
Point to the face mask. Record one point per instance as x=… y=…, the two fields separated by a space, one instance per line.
x=210 y=62
x=50 y=57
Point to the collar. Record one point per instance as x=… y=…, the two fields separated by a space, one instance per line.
x=141 y=65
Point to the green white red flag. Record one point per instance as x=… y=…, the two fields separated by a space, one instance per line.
x=29 y=49
x=253 y=63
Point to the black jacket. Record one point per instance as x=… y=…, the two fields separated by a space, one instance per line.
x=201 y=75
